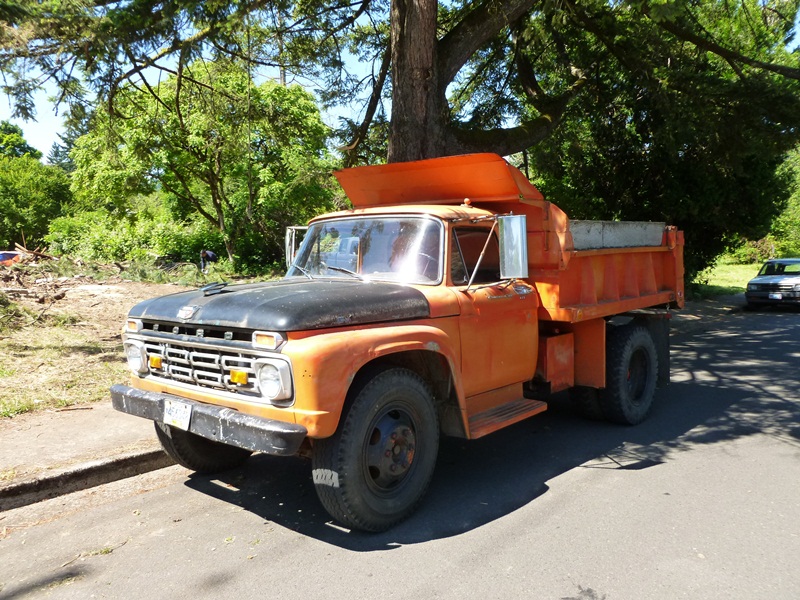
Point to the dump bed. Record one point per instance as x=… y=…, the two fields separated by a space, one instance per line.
x=613 y=267
x=582 y=269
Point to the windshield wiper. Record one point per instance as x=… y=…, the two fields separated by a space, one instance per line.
x=304 y=271
x=343 y=270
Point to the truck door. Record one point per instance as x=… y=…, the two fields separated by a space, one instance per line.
x=499 y=329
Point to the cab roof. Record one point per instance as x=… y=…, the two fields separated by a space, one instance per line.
x=446 y=213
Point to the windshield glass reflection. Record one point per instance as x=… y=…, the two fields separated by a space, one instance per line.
x=405 y=249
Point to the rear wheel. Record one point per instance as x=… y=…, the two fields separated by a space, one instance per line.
x=197 y=453
x=631 y=375
x=375 y=469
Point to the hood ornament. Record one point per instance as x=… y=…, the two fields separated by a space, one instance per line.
x=213 y=288
x=187 y=312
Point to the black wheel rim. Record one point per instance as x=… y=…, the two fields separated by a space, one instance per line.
x=638 y=372
x=390 y=447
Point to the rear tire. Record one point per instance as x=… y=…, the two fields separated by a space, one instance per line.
x=373 y=472
x=197 y=453
x=631 y=375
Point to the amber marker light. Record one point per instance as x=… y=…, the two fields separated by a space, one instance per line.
x=267 y=339
x=155 y=361
x=133 y=326
x=239 y=377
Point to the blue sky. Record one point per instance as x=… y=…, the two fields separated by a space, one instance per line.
x=40 y=134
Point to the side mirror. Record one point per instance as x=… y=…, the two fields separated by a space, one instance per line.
x=294 y=235
x=513 y=247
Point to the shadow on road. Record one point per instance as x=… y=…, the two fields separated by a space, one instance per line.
x=729 y=383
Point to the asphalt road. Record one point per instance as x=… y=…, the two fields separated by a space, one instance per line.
x=702 y=501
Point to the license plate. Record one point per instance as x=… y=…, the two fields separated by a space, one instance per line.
x=177 y=414
x=776 y=296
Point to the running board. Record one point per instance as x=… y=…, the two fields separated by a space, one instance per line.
x=501 y=416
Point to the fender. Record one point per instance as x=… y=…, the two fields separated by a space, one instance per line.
x=325 y=363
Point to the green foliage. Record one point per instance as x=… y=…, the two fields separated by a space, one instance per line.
x=786 y=228
x=31 y=194
x=249 y=160
x=783 y=240
x=59 y=155
x=679 y=137
x=13 y=144
x=147 y=234
x=747 y=252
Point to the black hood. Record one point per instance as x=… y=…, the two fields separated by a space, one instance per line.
x=288 y=305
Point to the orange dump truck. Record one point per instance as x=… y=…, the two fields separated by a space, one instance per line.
x=453 y=299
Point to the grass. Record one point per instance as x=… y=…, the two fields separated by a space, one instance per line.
x=54 y=359
x=722 y=280
x=52 y=365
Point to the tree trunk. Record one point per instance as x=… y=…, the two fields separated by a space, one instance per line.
x=419 y=107
x=422 y=68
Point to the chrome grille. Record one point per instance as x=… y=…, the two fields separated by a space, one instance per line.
x=207 y=367
x=775 y=287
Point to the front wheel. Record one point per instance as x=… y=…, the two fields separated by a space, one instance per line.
x=631 y=375
x=373 y=472
x=197 y=453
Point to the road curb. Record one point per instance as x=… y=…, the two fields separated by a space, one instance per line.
x=82 y=476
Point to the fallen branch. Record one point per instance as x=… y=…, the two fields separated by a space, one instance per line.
x=34 y=252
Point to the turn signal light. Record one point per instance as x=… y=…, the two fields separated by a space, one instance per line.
x=239 y=377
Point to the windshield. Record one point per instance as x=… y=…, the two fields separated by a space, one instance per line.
x=406 y=249
x=777 y=268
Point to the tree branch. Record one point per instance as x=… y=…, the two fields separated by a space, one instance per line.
x=374 y=100
x=515 y=139
x=475 y=30
x=725 y=53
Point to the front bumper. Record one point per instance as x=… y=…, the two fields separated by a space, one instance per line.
x=772 y=298
x=215 y=423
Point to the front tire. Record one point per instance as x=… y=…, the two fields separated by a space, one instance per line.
x=373 y=472
x=631 y=375
x=197 y=453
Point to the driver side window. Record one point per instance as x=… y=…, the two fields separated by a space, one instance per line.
x=468 y=243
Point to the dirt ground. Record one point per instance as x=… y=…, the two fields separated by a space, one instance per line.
x=68 y=351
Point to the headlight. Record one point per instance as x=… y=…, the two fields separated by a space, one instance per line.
x=274 y=380
x=137 y=357
x=797 y=287
x=752 y=287
x=269 y=381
